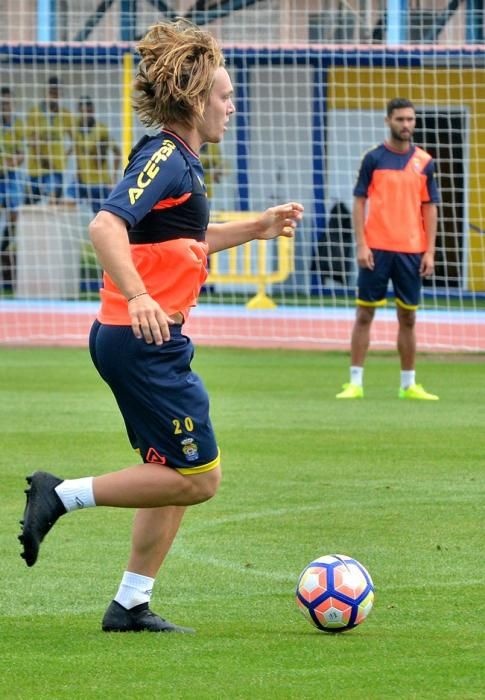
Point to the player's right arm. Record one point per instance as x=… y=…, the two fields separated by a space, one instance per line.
x=365 y=257
x=110 y=240
x=148 y=178
x=364 y=253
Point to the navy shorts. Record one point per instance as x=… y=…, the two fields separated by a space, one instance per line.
x=164 y=404
x=400 y=268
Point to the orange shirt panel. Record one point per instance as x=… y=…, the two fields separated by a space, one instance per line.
x=394 y=219
x=173 y=272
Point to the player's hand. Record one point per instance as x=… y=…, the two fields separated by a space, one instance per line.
x=426 y=268
x=148 y=320
x=365 y=258
x=281 y=220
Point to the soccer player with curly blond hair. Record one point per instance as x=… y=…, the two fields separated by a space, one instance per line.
x=152 y=237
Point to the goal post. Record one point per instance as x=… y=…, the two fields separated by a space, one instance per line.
x=126 y=111
x=307 y=108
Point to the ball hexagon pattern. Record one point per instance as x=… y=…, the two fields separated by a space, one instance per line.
x=335 y=593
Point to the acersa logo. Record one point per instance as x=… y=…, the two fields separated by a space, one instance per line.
x=155 y=457
x=151 y=169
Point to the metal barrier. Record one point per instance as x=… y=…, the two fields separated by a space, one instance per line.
x=250 y=263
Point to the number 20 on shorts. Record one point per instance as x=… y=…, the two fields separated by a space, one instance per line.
x=179 y=425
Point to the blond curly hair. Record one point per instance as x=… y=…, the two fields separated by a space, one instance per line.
x=175 y=74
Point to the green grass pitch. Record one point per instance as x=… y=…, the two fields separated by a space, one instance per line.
x=397 y=485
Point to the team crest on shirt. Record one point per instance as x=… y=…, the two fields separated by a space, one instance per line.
x=190 y=449
x=417 y=164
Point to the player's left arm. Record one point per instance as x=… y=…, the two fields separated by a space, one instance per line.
x=429 y=213
x=281 y=220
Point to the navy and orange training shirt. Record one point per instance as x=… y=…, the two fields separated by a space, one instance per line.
x=162 y=199
x=396 y=185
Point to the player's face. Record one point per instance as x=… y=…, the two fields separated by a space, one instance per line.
x=219 y=108
x=402 y=123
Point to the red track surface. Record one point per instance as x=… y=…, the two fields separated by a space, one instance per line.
x=72 y=328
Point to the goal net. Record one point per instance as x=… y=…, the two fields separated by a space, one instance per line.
x=312 y=79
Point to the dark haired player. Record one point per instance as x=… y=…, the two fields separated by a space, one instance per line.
x=395 y=220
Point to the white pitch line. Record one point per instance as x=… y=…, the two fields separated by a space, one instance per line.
x=254 y=515
x=190 y=555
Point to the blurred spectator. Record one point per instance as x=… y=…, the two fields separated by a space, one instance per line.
x=49 y=129
x=214 y=168
x=92 y=147
x=213 y=164
x=11 y=157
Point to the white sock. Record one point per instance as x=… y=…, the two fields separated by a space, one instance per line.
x=76 y=493
x=408 y=378
x=134 y=589
x=356 y=375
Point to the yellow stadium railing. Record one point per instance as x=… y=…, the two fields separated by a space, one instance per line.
x=250 y=263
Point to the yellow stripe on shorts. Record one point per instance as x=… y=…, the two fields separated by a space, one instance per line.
x=409 y=307
x=203 y=467
x=373 y=304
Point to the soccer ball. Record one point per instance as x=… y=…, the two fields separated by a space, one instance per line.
x=335 y=593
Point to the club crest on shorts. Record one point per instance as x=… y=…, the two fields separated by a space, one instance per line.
x=190 y=449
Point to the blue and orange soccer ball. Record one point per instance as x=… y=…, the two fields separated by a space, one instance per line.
x=335 y=593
